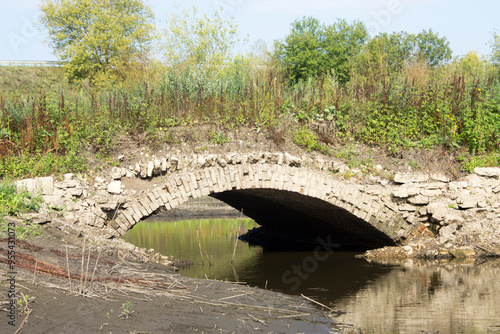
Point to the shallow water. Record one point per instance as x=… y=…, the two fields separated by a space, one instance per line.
x=452 y=298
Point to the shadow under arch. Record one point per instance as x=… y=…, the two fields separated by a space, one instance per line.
x=296 y=219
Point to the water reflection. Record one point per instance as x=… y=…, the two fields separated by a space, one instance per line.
x=410 y=298
x=429 y=298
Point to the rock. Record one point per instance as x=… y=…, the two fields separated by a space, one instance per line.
x=37 y=186
x=440 y=177
x=496 y=190
x=469 y=202
x=221 y=162
x=66 y=184
x=462 y=252
x=39 y=218
x=408 y=249
x=274 y=158
x=96 y=218
x=157 y=167
x=72 y=206
x=405 y=192
x=319 y=162
x=476 y=181
x=116 y=175
x=174 y=163
x=150 y=168
x=435 y=185
x=69 y=176
x=115 y=187
x=407 y=207
x=418 y=200
x=437 y=211
x=164 y=165
x=447 y=233
x=144 y=171
x=109 y=206
x=121 y=158
x=482 y=203
x=452 y=218
x=384 y=182
x=431 y=192
x=391 y=205
x=201 y=162
x=291 y=160
x=488 y=171
x=75 y=192
x=410 y=178
x=455 y=186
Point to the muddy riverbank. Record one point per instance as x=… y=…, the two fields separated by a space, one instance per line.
x=66 y=282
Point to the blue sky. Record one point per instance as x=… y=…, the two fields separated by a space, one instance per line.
x=468 y=25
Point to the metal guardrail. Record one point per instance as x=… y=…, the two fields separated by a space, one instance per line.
x=49 y=63
x=55 y=63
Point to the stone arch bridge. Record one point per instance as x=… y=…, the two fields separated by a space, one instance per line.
x=282 y=194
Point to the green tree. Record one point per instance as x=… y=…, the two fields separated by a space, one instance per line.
x=495 y=49
x=386 y=54
x=430 y=47
x=194 y=39
x=312 y=48
x=472 y=67
x=97 y=38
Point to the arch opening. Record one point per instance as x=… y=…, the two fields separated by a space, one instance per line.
x=290 y=220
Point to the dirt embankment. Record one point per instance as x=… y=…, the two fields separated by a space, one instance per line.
x=69 y=283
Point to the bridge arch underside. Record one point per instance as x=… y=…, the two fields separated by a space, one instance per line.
x=296 y=203
x=290 y=219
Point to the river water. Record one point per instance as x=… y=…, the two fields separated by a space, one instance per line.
x=409 y=298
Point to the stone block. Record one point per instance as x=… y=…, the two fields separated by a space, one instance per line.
x=469 y=202
x=115 y=187
x=410 y=178
x=37 y=186
x=407 y=207
x=488 y=171
x=437 y=211
x=431 y=192
x=405 y=192
x=440 y=177
x=150 y=168
x=419 y=200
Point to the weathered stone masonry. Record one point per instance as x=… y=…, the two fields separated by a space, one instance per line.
x=401 y=207
x=179 y=188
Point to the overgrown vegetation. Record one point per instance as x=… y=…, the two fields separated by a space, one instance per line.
x=423 y=100
x=13 y=203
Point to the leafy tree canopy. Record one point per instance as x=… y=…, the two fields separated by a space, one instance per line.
x=495 y=49
x=97 y=37
x=194 y=39
x=399 y=48
x=312 y=48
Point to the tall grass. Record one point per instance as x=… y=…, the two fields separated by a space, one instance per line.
x=43 y=125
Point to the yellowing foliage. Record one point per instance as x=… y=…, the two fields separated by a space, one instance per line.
x=193 y=39
x=97 y=37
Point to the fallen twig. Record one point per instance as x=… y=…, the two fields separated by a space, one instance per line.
x=320 y=304
x=22 y=323
x=257 y=319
